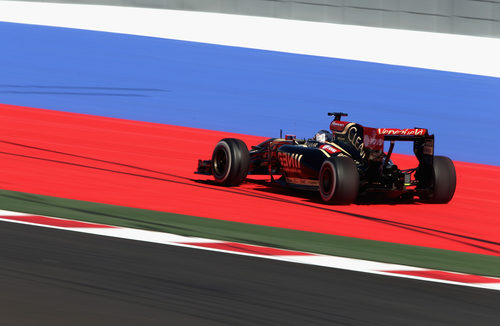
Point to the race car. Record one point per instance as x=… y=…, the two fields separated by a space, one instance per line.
x=344 y=163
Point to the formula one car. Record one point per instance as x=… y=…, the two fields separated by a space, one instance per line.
x=343 y=164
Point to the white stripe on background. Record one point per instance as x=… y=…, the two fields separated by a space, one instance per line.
x=448 y=52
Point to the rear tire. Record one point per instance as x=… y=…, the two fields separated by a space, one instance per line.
x=230 y=161
x=444 y=181
x=338 y=181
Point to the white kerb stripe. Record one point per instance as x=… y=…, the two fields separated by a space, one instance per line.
x=9 y=213
x=143 y=235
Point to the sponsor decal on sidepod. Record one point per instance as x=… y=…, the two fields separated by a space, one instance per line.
x=288 y=160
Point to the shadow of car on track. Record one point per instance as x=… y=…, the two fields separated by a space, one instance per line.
x=313 y=196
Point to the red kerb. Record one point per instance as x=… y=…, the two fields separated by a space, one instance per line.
x=54 y=222
x=249 y=249
x=448 y=276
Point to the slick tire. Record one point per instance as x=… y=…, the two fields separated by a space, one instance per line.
x=444 y=181
x=230 y=161
x=338 y=181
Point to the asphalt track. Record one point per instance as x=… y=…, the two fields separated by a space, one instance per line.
x=54 y=277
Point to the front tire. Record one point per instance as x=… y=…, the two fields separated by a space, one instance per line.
x=338 y=181
x=230 y=161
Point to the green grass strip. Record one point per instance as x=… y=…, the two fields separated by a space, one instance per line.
x=252 y=234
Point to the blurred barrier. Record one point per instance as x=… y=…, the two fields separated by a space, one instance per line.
x=467 y=17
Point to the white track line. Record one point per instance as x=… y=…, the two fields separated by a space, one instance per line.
x=9 y=213
x=448 y=52
x=344 y=263
x=142 y=235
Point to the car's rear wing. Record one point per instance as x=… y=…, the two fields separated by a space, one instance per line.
x=423 y=143
x=402 y=134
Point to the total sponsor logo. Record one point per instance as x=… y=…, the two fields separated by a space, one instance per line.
x=401 y=132
x=288 y=160
x=329 y=149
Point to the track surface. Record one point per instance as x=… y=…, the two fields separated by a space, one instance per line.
x=55 y=277
x=151 y=166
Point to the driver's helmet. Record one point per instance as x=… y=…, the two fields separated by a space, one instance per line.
x=323 y=136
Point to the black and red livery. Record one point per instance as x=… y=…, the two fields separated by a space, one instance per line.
x=350 y=165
